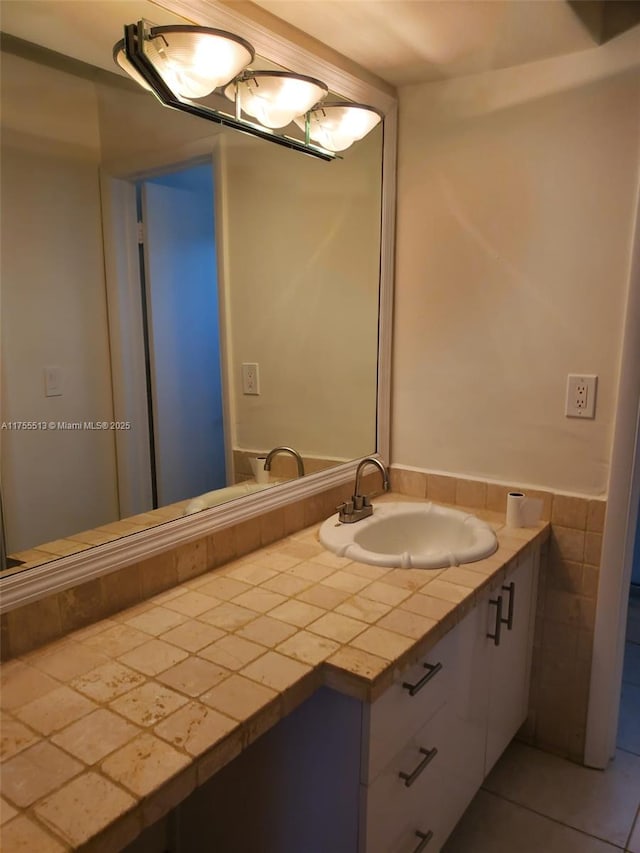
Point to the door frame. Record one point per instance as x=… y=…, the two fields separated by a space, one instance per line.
x=124 y=318
x=123 y=286
x=618 y=538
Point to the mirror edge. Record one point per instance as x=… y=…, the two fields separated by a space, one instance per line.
x=41 y=581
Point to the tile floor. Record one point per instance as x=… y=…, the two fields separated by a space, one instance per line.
x=534 y=802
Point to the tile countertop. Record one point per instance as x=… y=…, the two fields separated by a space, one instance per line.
x=107 y=729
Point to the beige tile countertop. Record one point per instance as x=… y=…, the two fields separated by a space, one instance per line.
x=107 y=729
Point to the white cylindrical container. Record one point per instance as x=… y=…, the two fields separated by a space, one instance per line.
x=516 y=502
x=257 y=466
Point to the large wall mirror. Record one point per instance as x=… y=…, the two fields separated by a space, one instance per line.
x=178 y=298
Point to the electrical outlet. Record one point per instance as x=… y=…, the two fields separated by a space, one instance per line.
x=581 y=396
x=250 y=379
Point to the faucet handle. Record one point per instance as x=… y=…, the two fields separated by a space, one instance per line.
x=345 y=508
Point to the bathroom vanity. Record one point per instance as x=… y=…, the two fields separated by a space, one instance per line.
x=389 y=776
x=289 y=700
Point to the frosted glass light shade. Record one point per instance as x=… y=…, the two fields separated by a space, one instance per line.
x=196 y=60
x=120 y=58
x=275 y=98
x=337 y=126
x=193 y=61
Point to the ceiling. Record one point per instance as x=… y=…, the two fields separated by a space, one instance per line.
x=411 y=41
x=400 y=41
x=83 y=29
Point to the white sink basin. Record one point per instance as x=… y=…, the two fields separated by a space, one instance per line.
x=411 y=536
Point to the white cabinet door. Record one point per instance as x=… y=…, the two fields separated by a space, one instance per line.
x=510 y=656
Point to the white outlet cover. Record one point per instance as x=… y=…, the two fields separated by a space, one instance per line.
x=250 y=378
x=581 y=396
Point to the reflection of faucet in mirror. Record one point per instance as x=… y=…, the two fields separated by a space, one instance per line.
x=294 y=453
x=359 y=506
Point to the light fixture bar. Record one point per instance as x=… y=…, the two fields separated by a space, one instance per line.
x=134 y=37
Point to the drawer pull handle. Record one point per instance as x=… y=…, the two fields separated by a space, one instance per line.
x=410 y=778
x=425 y=838
x=511 y=589
x=496 y=636
x=432 y=669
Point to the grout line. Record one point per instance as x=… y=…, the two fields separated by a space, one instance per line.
x=555 y=820
x=628 y=751
x=633 y=826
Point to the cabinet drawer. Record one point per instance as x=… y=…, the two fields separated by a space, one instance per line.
x=395 y=802
x=413 y=841
x=440 y=793
x=401 y=711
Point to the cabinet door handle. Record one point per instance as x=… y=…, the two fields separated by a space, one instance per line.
x=432 y=669
x=425 y=838
x=511 y=589
x=410 y=778
x=496 y=636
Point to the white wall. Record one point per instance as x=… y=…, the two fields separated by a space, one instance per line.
x=303 y=243
x=515 y=205
x=300 y=239
x=53 y=307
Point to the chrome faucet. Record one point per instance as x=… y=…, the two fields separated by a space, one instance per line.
x=294 y=453
x=359 y=506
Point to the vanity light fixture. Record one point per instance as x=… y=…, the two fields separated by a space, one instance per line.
x=181 y=63
x=275 y=98
x=192 y=61
x=338 y=125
